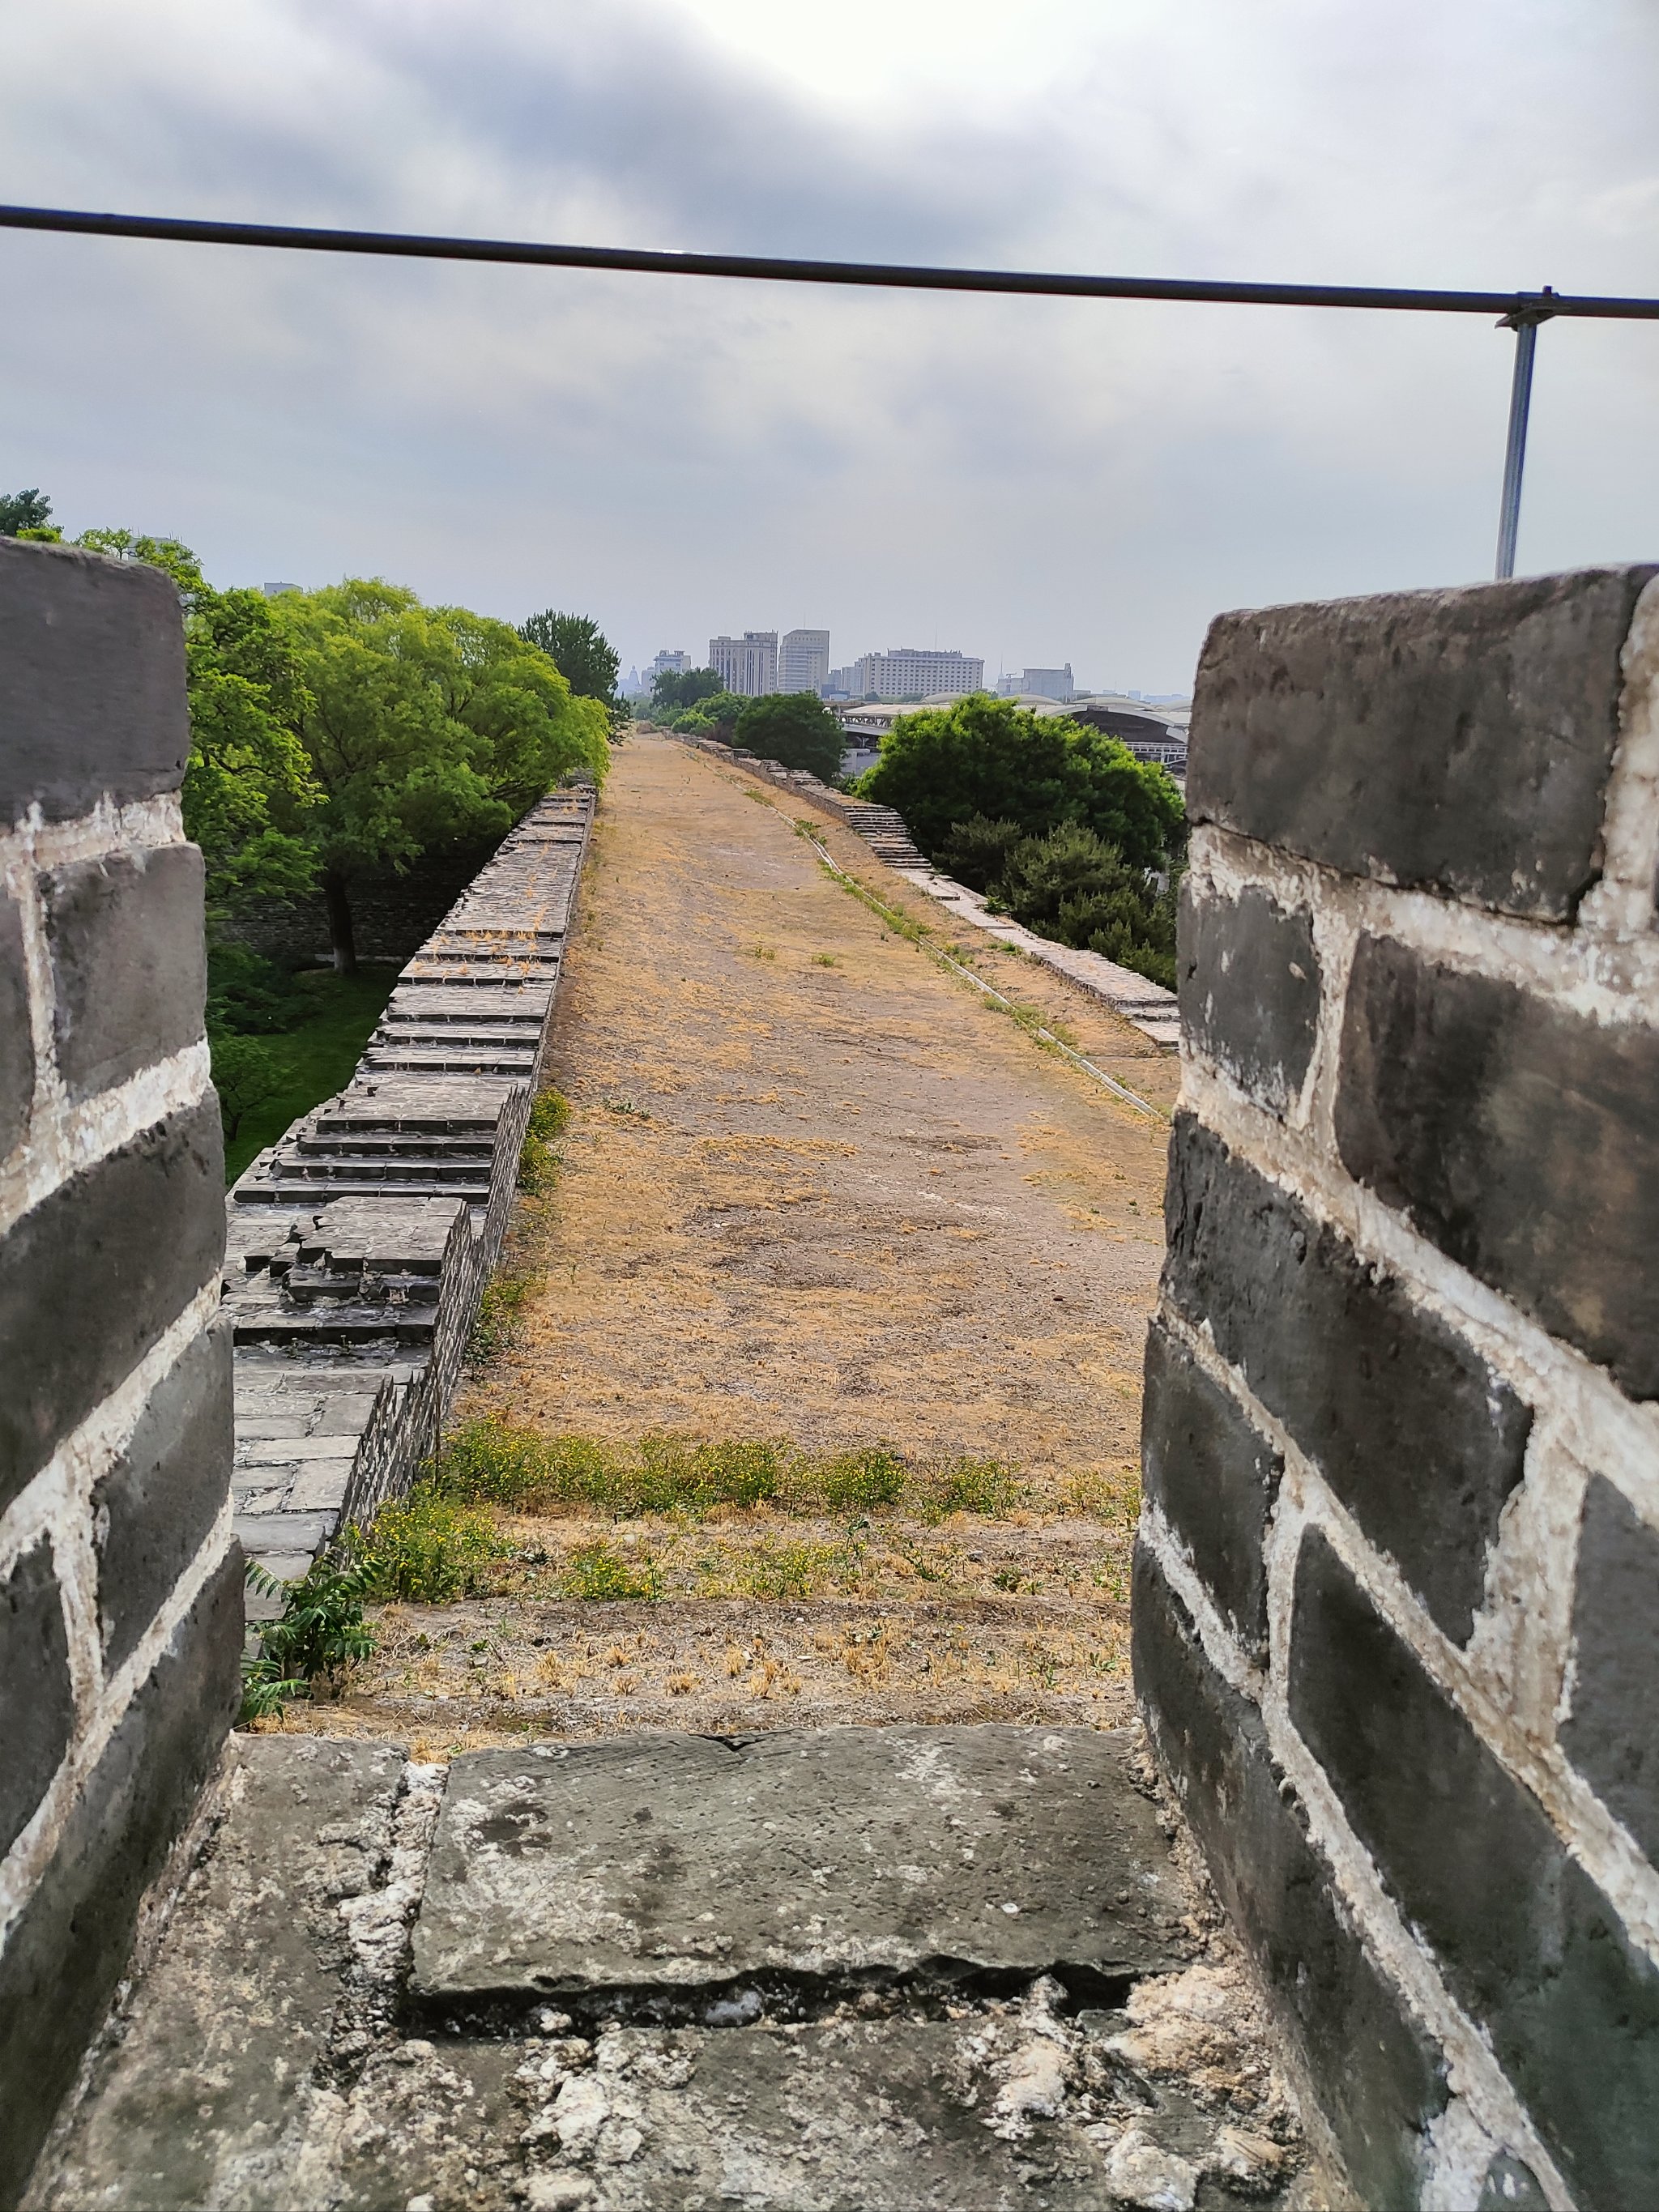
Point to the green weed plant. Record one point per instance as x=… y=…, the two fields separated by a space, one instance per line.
x=428 y=1548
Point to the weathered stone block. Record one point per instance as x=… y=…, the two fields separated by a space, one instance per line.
x=67 y=1951
x=152 y=1512
x=16 y=1041
x=37 y=1702
x=590 y=1866
x=91 y=1277
x=1526 y=1942
x=1459 y=740
x=129 y=962
x=1379 y=2078
x=91 y=681
x=1520 y=1137
x=206 y=2098
x=1248 y=980
x=1215 y=1476
x=1612 y=1733
x=1418 y=1435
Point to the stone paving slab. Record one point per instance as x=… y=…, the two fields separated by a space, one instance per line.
x=264 y=2060
x=663 y=1861
x=204 y=2099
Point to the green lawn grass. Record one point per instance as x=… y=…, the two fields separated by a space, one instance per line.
x=316 y=1056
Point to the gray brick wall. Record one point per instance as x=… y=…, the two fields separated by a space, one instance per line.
x=1397 y=1583
x=120 y=1576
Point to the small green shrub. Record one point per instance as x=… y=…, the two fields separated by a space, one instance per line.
x=858 y=1481
x=425 y=1547
x=601 y=1574
x=985 y=1487
x=781 y=1568
x=318 y=1634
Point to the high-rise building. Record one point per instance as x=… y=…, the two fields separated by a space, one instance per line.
x=840 y=679
x=747 y=664
x=668 y=664
x=1048 y=682
x=907 y=673
x=804 y=660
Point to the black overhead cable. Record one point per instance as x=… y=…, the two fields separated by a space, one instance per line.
x=782 y=269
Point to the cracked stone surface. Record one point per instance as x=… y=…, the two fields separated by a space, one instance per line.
x=673 y=1860
x=271 y=2056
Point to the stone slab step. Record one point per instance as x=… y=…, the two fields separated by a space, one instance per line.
x=264 y=2061
x=1003 y=1849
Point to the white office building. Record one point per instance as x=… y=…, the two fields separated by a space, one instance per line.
x=909 y=673
x=804 y=660
x=747 y=664
x=1039 y=682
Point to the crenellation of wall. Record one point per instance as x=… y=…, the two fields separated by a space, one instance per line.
x=117 y=1666
x=1402 y=1416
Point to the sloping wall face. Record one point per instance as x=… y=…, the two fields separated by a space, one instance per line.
x=120 y=1598
x=1397 y=1599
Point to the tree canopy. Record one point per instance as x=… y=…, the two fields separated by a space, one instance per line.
x=988 y=757
x=422 y=727
x=672 y=691
x=578 y=649
x=794 y=728
x=23 y=510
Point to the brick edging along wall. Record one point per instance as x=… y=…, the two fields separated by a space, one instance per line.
x=1397 y=1584
x=361 y=1243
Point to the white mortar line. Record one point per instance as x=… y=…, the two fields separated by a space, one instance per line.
x=104 y=828
x=1471 y=2067
x=1467 y=1677
x=64 y=1483
x=26 y=1862
x=1607 y=974
x=65 y=1140
x=1619 y=1437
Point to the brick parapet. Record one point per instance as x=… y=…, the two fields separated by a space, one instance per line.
x=112 y=1539
x=361 y=1243
x=1411 y=1223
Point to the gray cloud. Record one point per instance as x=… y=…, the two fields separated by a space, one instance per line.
x=1044 y=480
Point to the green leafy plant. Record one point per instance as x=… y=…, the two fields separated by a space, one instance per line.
x=320 y=1633
x=601 y=1573
x=427 y=1547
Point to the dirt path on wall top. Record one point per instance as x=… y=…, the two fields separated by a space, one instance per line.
x=812 y=1189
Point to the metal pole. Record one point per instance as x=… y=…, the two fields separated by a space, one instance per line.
x=1524 y=323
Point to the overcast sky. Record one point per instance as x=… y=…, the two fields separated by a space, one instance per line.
x=1033 y=481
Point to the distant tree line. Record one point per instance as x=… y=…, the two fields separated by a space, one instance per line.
x=793 y=727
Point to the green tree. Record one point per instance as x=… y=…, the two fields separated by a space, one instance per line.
x=987 y=757
x=578 y=649
x=794 y=728
x=24 y=510
x=1075 y=887
x=672 y=692
x=422 y=727
x=247 y=785
x=713 y=716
